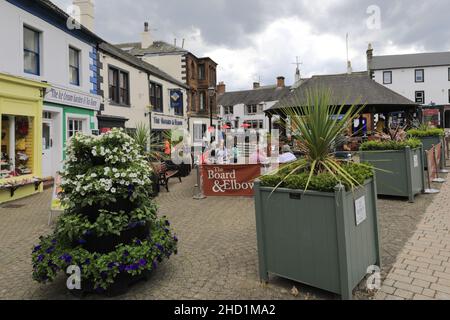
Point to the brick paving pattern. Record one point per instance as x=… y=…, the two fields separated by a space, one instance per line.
x=422 y=269
x=217 y=251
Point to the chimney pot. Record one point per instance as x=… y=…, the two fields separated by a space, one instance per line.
x=256 y=85
x=147 y=40
x=87 y=13
x=146 y=27
x=280 y=82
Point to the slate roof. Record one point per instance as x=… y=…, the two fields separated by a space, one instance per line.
x=138 y=63
x=347 y=89
x=255 y=96
x=411 y=60
x=158 y=47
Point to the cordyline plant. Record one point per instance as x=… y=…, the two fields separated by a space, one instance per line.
x=149 y=144
x=317 y=126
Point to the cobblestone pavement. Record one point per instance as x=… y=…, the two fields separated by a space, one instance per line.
x=217 y=250
x=422 y=269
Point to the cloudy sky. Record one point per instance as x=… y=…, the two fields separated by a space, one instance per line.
x=259 y=39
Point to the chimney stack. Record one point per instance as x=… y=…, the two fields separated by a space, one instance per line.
x=280 y=82
x=369 y=59
x=256 y=85
x=147 y=40
x=221 y=88
x=87 y=13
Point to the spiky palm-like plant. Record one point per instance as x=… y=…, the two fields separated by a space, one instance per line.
x=318 y=125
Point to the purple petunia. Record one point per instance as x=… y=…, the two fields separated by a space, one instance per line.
x=50 y=250
x=122 y=267
x=112 y=265
x=175 y=238
x=160 y=247
x=54 y=241
x=126 y=254
x=138 y=242
x=40 y=258
x=132 y=267
x=154 y=264
x=104 y=275
x=82 y=241
x=87 y=261
x=143 y=262
x=66 y=257
x=37 y=248
x=167 y=223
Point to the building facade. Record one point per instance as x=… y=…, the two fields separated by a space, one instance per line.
x=245 y=109
x=423 y=78
x=134 y=91
x=199 y=74
x=41 y=47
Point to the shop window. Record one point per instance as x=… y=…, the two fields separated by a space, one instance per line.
x=74 y=126
x=16 y=146
x=74 y=66
x=31 y=51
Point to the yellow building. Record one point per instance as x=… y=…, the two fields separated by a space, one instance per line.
x=21 y=137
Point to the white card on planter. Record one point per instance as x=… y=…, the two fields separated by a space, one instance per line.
x=416 y=161
x=360 y=210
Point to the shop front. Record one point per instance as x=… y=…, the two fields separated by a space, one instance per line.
x=162 y=125
x=65 y=112
x=21 y=131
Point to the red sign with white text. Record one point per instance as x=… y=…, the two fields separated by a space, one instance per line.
x=229 y=180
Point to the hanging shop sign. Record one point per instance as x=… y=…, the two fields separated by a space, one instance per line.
x=229 y=180
x=176 y=99
x=73 y=98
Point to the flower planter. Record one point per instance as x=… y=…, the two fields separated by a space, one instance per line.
x=106 y=244
x=400 y=172
x=121 y=204
x=314 y=238
x=121 y=285
x=428 y=143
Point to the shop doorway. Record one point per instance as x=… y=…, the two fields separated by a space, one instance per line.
x=48 y=150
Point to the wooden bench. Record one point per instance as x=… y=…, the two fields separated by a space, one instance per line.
x=165 y=175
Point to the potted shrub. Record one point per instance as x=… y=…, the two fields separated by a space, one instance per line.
x=317 y=218
x=429 y=137
x=399 y=166
x=110 y=229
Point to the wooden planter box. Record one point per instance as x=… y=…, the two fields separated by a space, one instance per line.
x=400 y=171
x=428 y=143
x=314 y=237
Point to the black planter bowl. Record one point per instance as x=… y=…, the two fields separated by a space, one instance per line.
x=106 y=244
x=93 y=212
x=122 y=284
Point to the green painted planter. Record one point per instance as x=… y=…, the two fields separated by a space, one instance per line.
x=400 y=172
x=428 y=143
x=313 y=237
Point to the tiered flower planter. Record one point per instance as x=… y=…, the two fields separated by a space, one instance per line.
x=318 y=238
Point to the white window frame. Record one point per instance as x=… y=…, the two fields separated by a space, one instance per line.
x=85 y=120
x=390 y=77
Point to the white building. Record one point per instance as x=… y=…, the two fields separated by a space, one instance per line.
x=240 y=108
x=130 y=86
x=423 y=78
x=37 y=44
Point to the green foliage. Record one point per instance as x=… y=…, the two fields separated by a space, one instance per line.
x=324 y=182
x=317 y=129
x=390 y=145
x=53 y=255
x=431 y=132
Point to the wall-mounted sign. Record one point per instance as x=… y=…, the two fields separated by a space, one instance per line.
x=73 y=98
x=416 y=161
x=176 y=99
x=360 y=210
x=166 y=122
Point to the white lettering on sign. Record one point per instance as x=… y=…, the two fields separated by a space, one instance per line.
x=360 y=210
x=225 y=181
x=72 y=98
